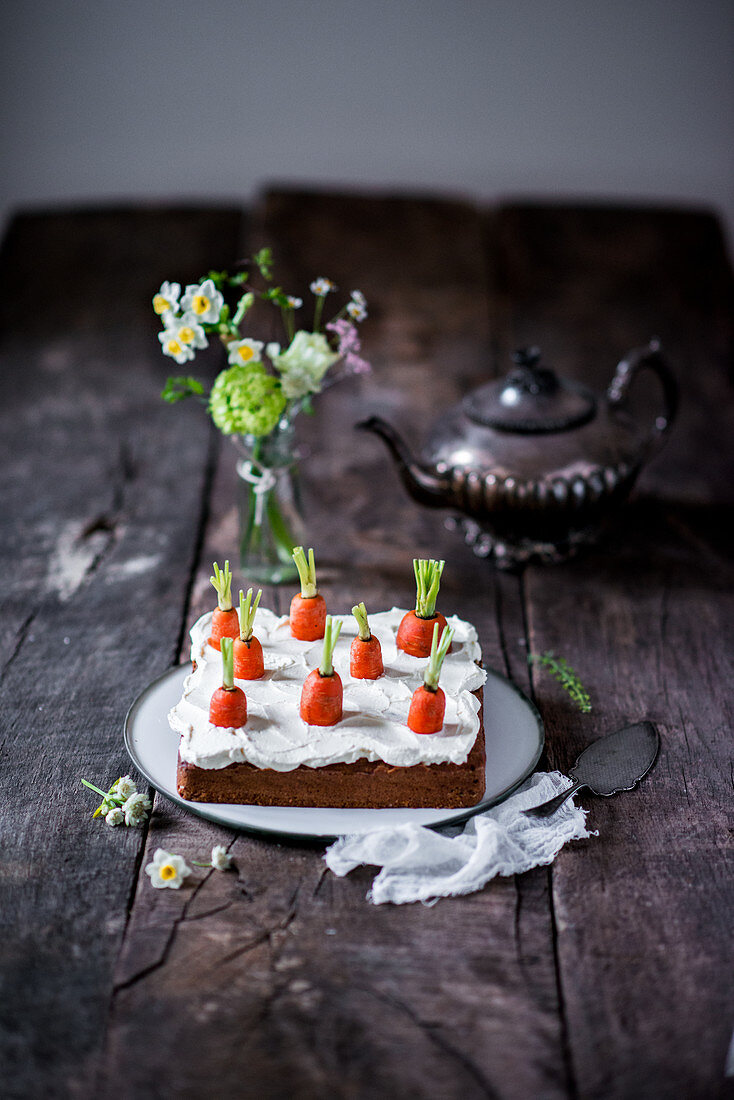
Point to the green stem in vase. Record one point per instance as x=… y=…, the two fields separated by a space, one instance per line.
x=266 y=539
x=283 y=538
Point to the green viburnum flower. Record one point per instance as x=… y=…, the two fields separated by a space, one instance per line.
x=246 y=400
x=303 y=364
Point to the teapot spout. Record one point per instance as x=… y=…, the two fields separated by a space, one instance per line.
x=423 y=483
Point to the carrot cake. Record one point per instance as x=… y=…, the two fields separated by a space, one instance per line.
x=369 y=758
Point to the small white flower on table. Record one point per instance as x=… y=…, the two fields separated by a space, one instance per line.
x=136 y=808
x=124 y=787
x=221 y=859
x=115 y=816
x=167 y=870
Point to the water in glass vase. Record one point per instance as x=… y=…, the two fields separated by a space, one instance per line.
x=270 y=509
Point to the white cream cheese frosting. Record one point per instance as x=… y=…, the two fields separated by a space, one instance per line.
x=373 y=726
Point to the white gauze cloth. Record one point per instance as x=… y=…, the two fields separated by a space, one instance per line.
x=421 y=864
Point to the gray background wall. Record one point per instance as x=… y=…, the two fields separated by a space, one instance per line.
x=209 y=99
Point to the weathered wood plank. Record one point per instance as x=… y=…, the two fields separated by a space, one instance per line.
x=102 y=496
x=588 y=283
x=282 y=979
x=643 y=915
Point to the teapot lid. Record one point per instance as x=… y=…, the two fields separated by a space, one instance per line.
x=531 y=399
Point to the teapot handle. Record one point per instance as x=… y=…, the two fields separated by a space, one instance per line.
x=650 y=358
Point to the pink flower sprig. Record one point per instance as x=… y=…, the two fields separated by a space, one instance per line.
x=349 y=345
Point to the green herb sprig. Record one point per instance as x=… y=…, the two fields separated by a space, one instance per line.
x=567 y=677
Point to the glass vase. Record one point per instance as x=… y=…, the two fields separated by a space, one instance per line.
x=270 y=509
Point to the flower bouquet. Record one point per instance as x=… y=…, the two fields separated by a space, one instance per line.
x=256 y=398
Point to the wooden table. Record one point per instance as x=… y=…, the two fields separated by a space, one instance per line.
x=608 y=974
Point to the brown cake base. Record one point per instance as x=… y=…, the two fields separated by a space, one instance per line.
x=367 y=784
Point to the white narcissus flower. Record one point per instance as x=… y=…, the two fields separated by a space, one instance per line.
x=177 y=349
x=167 y=870
x=166 y=300
x=240 y=352
x=115 y=816
x=303 y=364
x=124 y=787
x=186 y=330
x=204 y=301
x=221 y=859
x=135 y=809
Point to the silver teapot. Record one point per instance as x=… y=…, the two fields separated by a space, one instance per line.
x=533 y=465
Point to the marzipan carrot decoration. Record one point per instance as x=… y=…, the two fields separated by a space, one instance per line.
x=225 y=623
x=416 y=630
x=428 y=705
x=308 y=608
x=365 y=656
x=228 y=706
x=321 y=696
x=248 y=653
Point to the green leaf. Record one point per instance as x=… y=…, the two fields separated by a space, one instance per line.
x=275 y=294
x=560 y=670
x=180 y=387
x=264 y=261
x=219 y=278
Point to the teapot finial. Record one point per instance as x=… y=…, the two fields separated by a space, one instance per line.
x=526 y=357
x=528 y=376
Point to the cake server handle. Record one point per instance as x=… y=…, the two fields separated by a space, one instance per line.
x=545 y=809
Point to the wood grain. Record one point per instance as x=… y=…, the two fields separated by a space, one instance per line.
x=604 y=976
x=105 y=489
x=326 y=993
x=647 y=1012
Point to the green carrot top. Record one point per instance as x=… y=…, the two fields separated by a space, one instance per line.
x=427 y=580
x=360 y=614
x=227 y=646
x=306 y=571
x=248 y=610
x=331 y=633
x=222 y=581
x=439 y=649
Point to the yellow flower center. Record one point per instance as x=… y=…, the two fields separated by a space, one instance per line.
x=161 y=304
x=186 y=334
x=200 y=304
x=168 y=871
x=174 y=347
x=246 y=353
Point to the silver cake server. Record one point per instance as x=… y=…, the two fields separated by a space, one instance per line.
x=614 y=763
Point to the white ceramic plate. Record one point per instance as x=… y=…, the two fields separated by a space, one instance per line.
x=513 y=731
